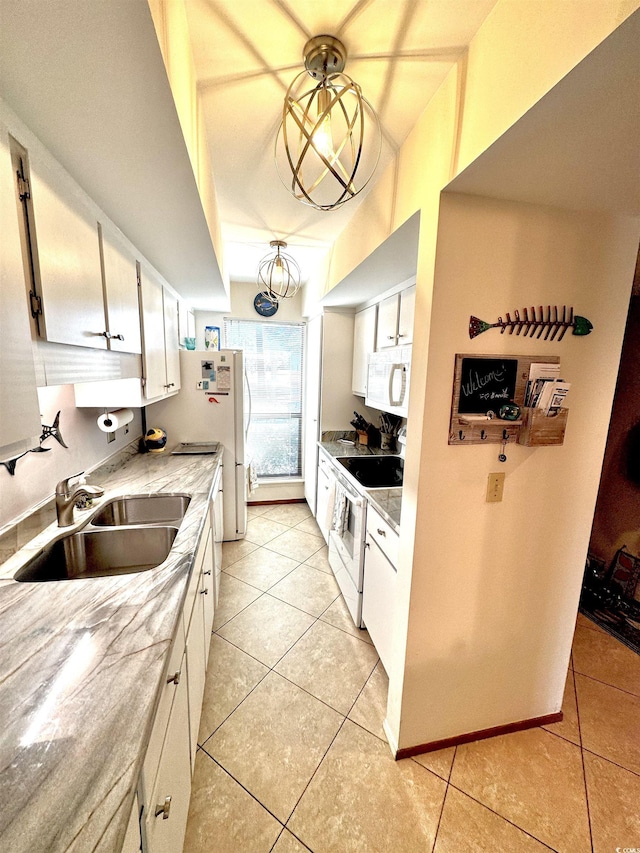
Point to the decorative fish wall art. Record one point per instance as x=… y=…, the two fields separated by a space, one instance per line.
x=551 y=323
x=52 y=431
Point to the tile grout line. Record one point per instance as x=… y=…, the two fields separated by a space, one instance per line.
x=501 y=816
x=584 y=769
x=340 y=727
x=607 y=684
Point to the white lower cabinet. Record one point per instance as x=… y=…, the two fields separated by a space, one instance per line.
x=167 y=806
x=379 y=585
x=165 y=784
x=217 y=523
x=324 y=495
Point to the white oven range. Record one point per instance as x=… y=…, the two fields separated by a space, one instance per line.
x=346 y=543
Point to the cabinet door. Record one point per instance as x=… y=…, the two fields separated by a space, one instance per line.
x=120 y=293
x=167 y=807
x=196 y=668
x=218 y=535
x=364 y=342
x=68 y=260
x=405 y=317
x=155 y=370
x=386 y=334
x=322 y=503
x=171 y=348
x=208 y=595
x=19 y=410
x=378 y=596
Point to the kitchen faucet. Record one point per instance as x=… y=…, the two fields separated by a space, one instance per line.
x=66 y=497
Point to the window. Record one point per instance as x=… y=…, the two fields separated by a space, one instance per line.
x=273 y=355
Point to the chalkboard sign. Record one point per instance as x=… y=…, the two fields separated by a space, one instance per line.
x=486 y=383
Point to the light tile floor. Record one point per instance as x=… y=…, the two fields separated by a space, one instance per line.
x=292 y=755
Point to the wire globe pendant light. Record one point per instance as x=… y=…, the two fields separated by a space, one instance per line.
x=279 y=274
x=321 y=154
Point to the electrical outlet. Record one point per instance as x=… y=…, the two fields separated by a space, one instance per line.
x=111 y=436
x=495 y=487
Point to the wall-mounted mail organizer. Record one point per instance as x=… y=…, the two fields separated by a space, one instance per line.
x=482 y=384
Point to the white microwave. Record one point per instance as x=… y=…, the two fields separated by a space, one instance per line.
x=388 y=373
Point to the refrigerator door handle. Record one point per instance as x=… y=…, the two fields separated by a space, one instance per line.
x=246 y=380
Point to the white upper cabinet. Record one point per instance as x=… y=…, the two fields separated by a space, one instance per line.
x=19 y=411
x=171 y=343
x=386 y=334
x=67 y=260
x=405 y=315
x=395 y=319
x=364 y=340
x=120 y=282
x=161 y=365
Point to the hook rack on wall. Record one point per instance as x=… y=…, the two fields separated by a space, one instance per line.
x=482 y=385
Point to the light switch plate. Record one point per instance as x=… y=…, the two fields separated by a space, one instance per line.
x=495 y=487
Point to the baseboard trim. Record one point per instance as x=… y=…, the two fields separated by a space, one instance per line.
x=409 y=751
x=285 y=501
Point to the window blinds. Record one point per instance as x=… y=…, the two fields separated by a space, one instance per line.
x=273 y=356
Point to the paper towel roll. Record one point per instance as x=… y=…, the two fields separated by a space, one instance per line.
x=111 y=421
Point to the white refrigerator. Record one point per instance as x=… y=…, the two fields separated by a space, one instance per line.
x=210 y=407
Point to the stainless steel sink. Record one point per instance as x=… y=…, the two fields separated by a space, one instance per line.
x=375 y=472
x=143 y=509
x=100 y=553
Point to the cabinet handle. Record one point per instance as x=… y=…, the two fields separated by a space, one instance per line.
x=391 y=337
x=207 y=573
x=204 y=592
x=106 y=335
x=170 y=385
x=401 y=335
x=164 y=809
x=118 y=337
x=174 y=679
x=381 y=532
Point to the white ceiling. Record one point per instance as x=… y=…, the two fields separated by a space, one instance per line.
x=246 y=54
x=87 y=77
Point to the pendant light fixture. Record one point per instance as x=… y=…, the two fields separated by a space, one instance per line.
x=328 y=145
x=278 y=274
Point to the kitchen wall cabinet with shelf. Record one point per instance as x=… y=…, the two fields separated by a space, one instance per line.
x=81 y=275
x=387 y=323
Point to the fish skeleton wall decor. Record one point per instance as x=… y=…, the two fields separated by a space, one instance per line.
x=530 y=323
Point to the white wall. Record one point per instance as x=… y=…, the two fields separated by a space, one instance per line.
x=491 y=603
x=36 y=474
x=242 y=296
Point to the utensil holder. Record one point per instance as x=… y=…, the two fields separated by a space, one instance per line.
x=387 y=441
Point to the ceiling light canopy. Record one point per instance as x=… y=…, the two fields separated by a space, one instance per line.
x=278 y=274
x=329 y=141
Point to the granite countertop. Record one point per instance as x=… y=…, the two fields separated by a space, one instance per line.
x=388 y=502
x=80 y=673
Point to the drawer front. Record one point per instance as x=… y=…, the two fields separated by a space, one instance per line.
x=384 y=535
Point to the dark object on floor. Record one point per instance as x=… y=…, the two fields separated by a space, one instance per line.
x=602 y=600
